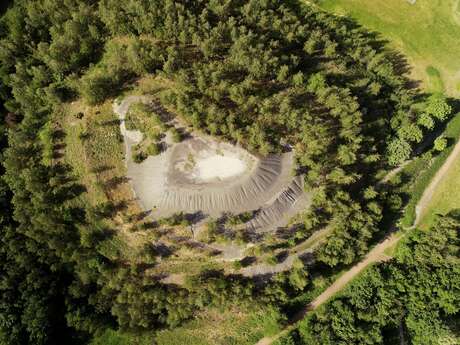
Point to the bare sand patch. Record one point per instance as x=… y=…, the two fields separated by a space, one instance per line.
x=202 y=174
x=220 y=167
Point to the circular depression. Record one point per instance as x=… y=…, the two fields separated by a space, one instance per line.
x=200 y=163
x=203 y=174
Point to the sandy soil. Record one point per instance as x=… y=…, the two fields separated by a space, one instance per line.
x=220 y=167
x=201 y=174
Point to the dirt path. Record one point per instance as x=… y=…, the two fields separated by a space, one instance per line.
x=375 y=255
x=429 y=191
x=394 y=172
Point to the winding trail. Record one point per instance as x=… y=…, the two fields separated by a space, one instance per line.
x=377 y=254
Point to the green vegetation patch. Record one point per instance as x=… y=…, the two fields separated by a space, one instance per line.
x=421 y=171
x=426 y=31
x=445 y=198
x=436 y=83
x=141 y=117
x=263 y=74
x=111 y=337
x=227 y=326
x=415 y=296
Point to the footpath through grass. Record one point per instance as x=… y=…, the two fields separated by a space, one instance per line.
x=446 y=196
x=421 y=171
x=427 y=32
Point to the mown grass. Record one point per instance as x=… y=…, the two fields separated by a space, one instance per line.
x=227 y=326
x=445 y=198
x=435 y=82
x=426 y=32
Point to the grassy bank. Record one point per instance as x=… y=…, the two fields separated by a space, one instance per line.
x=446 y=197
x=421 y=171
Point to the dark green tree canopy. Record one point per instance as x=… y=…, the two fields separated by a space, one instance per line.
x=268 y=74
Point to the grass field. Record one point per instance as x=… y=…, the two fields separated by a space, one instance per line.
x=227 y=326
x=427 y=33
x=111 y=337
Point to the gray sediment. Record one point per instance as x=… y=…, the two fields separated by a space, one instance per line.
x=268 y=184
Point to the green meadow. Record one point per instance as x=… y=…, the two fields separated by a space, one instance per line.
x=427 y=32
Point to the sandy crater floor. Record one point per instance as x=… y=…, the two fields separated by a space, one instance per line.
x=202 y=161
x=218 y=167
x=203 y=174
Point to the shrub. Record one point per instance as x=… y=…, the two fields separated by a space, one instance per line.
x=175 y=134
x=139 y=157
x=237 y=265
x=440 y=144
x=398 y=151
x=97 y=85
x=153 y=149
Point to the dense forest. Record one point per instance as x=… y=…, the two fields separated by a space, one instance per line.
x=416 y=295
x=265 y=74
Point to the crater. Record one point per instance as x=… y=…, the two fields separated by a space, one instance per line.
x=203 y=174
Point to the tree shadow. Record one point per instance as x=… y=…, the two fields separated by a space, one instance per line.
x=161 y=111
x=114 y=182
x=110 y=123
x=58 y=134
x=195 y=218
x=101 y=169
x=248 y=261
x=69 y=192
x=161 y=249
x=282 y=256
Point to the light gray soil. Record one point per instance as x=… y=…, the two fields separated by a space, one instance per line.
x=231 y=251
x=277 y=212
x=167 y=184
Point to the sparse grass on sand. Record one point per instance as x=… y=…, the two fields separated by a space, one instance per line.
x=224 y=326
x=427 y=32
x=94 y=149
x=228 y=325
